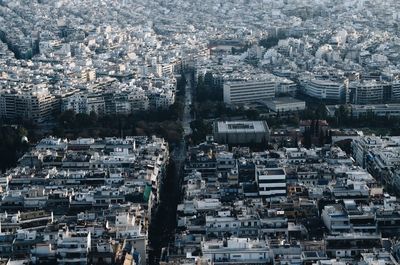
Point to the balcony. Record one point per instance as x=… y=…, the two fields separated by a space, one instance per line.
x=340 y=227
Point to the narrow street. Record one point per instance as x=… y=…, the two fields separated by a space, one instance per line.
x=162 y=227
x=179 y=153
x=187 y=117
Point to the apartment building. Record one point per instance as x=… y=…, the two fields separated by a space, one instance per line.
x=326 y=90
x=361 y=147
x=335 y=219
x=236 y=251
x=37 y=105
x=73 y=247
x=240 y=92
x=271 y=182
x=84 y=103
x=369 y=92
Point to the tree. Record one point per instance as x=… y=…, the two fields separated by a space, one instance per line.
x=67 y=118
x=321 y=111
x=341 y=115
x=11 y=145
x=252 y=114
x=209 y=79
x=181 y=85
x=307 y=137
x=93 y=117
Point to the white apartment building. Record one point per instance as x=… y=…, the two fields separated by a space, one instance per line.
x=128 y=227
x=122 y=103
x=161 y=99
x=286 y=87
x=396 y=90
x=138 y=101
x=248 y=91
x=84 y=103
x=236 y=251
x=336 y=219
x=362 y=145
x=37 y=105
x=73 y=247
x=122 y=106
x=367 y=92
x=326 y=90
x=271 y=182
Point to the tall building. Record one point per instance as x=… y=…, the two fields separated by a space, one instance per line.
x=396 y=90
x=367 y=92
x=271 y=182
x=237 y=92
x=37 y=105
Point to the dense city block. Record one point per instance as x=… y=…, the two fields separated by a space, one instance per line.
x=205 y=132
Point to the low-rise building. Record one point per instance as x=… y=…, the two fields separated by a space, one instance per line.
x=286 y=104
x=237 y=251
x=241 y=132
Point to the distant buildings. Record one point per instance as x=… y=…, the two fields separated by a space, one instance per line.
x=39 y=104
x=371 y=110
x=88 y=201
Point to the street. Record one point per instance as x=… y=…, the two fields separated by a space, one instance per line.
x=162 y=232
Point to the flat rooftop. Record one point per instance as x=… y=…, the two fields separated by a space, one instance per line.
x=285 y=100
x=241 y=127
x=275 y=171
x=272 y=171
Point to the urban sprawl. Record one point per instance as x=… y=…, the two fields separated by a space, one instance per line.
x=200 y=132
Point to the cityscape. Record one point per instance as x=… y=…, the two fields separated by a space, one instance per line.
x=211 y=132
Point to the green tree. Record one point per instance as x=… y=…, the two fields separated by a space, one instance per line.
x=67 y=118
